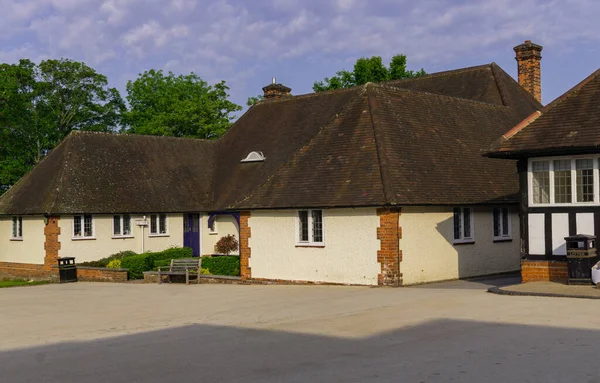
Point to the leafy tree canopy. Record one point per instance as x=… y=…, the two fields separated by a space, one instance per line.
x=180 y=106
x=368 y=70
x=41 y=104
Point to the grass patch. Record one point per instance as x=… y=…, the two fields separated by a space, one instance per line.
x=17 y=283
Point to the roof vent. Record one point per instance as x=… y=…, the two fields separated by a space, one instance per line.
x=254 y=157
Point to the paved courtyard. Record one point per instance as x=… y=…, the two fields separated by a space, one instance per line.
x=88 y=332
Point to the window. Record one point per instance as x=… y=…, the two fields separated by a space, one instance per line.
x=83 y=226
x=122 y=225
x=584 y=176
x=310 y=227
x=541 y=181
x=562 y=181
x=158 y=224
x=212 y=225
x=501 y=223
x=17 y=228
x=463 y=225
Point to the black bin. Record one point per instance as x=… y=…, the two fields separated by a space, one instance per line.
x=67 y=270
x=581 y=256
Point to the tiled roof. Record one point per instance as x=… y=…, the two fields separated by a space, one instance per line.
x=414 y=141
x=571 y=123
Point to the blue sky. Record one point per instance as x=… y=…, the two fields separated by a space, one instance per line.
x=300 y=41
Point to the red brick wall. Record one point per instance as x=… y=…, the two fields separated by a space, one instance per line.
x=245 y=252
x=544 y=271
x=51 y=245
x=389 y=256
x=528 y=57
x=98 y=274
x=13 y=270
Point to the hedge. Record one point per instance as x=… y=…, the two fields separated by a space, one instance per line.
x=223 y=265
x=171 y=253
x=137 y=264
x=105 y=261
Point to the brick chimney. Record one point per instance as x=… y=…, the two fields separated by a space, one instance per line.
x=275 y=90
x=528 y=58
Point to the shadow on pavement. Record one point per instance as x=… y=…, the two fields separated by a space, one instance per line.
x=436 y=351
x=482 y=283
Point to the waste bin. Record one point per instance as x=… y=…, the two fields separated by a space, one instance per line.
x=581 y=256
x=67 y=270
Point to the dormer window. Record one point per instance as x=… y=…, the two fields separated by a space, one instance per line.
x=254 y=157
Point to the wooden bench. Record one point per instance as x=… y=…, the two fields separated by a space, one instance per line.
x=184 y=266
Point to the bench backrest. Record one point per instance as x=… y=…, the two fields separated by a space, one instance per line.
x=192 y=264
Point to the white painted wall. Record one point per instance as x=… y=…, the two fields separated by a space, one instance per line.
x=30 y=249
x=349 y=255
x=560 y=230
x=104 y=244
x=537 y=234
x=226 y=225
x=585 y=223
x=428 y=252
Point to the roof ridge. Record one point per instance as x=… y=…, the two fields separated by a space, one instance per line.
x=341 y=112
x=497 y=70
x=468 y=100
x=386 y=182
x=565 y=96
x=306 y=95
x=125 y=134
x=443 y=73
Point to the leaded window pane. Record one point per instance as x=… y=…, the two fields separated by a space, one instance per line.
x=541 y=181
x=163 y=224
x=562 y=181
x=20 y=221
x=584 y=173
x=303 y=225
x=505 y=222
x=77 y=226
x=497 y=222
x=467 y=222
x=117 y=225
x=317 y=216
x=457 y=225
x=87 y=226
x=153 y=224
x=15 y=229
x=126 y=224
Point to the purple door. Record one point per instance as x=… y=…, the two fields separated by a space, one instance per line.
x=191 y=232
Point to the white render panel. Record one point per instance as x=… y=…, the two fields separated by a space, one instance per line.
x=585 y=223
x=537 y=238
x=31 y=248
x=560 y=230
x=349 y=255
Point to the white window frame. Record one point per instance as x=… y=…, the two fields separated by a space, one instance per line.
x=596 y=174
x=157 y=217
x=122 y=221
x=503 y=236
x=82 y=236
x=463 y=239
x=310 y=241
x=213 y=230
x=18 y=222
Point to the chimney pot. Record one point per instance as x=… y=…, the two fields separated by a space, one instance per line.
x=275 y=90
x=529 y=56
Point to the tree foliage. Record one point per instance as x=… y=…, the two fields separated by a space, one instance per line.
x=180 y=106
x=41 y=104
x=368 y=70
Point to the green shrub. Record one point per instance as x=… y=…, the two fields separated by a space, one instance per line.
x=137 y=264
x=204 y=271
x=105 y=261
x=171 y=253
x=163 y=263
x=225 y=265
x=114 y=264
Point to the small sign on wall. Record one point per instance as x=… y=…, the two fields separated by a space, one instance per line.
x=141 y=222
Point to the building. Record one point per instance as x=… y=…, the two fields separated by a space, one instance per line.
x=558 y=154
x=381 y=184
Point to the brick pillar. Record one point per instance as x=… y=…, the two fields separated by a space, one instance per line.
x=245 y=234
x=389 y=256
x=528 y=56
x=51 y=245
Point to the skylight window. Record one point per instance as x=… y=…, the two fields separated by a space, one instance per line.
x=254 y=157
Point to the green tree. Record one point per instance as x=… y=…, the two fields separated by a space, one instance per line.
x=180 y=106
x=368 y=70
x=41 y=104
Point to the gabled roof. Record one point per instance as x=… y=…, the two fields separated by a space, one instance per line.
x=110 y=173
x=414 y=141
x=569 y=124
